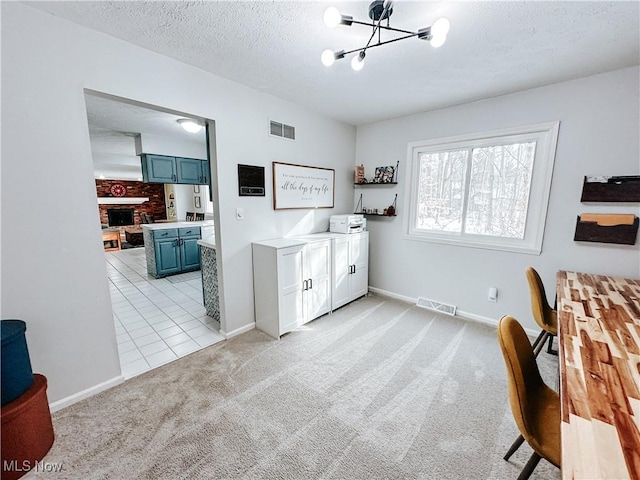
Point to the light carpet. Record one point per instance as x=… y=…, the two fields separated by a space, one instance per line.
x=379 y=389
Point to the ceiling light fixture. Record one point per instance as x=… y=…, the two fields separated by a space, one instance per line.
x=190 y=125
x=379 y=10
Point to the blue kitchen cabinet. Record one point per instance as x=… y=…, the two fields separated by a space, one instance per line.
x=158 y=168
x=165 y=169
x=189 y=248
x=189 y=170
x=176 y=250
x=206 y=173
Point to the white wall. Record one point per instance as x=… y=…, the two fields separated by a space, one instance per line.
x=599 y=135
x=53 y=269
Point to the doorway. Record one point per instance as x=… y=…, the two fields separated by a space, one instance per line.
x=156 y=320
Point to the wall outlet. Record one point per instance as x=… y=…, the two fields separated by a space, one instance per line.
x=493 y=294
x=239 y=213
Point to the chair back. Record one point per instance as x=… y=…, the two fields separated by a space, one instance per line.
x=191 y=216
x=542 y=312
x=523 y=376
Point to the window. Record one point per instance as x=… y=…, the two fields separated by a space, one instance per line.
x=489 y=190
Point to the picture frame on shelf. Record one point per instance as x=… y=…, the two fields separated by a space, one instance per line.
x=196 y=201
x=384 y=174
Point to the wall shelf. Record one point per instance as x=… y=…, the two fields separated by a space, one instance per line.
x=360 y=211
x=373 y=184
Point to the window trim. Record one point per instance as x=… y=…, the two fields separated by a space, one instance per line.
x=546 y=136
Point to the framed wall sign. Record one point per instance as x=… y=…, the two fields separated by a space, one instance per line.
x=300 y=186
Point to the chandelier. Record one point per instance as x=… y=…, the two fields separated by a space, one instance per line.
x=379 y=11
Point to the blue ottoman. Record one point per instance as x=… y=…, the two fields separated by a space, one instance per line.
x=15 y=366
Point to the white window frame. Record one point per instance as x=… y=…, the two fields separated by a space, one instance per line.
x=546 y=137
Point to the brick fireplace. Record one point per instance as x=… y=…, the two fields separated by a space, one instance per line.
x=155 y=206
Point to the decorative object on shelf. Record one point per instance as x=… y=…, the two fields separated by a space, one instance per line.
x=611 y=189
x=196 y=189
x=301 y=186
x=379 y=11
x=607 y=228
x=196 y=201
x=360 y=175
x=390 y=211
x=383 y=176
x=118 y=190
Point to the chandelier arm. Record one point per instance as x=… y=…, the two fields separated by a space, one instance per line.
x=379 y=43
x=399 y=30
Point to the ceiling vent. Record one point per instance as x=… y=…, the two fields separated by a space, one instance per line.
x=281 y=130
x=436 y=306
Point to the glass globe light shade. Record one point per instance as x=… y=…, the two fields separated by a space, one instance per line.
x=332 y=17
x=328 y=57
x=438 y=40
x=357 y=63
x=440 y=27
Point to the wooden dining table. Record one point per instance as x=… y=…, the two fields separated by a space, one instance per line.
x=599 y=341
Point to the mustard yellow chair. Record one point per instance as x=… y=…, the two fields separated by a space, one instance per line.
x=545 y=316
x=535 y=406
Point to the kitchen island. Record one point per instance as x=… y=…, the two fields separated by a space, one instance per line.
x=172 y=247
x=210 y=275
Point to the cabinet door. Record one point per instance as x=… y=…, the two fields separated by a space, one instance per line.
x=167 y=256
x=290 y=299
x=341 y=292
x=158 y=169
x=206 y=173
x=359 y=258
x=189 y=170
x=359 y=249
x=190 y=253
x=318 y=273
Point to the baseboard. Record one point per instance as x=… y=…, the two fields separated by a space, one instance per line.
x=89 y=392
x=238 y=331
x=385 y=293
x=459 y=313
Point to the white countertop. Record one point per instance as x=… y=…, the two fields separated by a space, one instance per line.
x=166 y=225
x=300 y=239
x=208 y=241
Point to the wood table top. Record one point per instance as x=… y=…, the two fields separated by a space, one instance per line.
x=599 y=338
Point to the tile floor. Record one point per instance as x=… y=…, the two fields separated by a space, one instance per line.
x=157 y=320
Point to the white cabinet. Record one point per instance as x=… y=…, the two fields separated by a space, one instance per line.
x=291 y=282
x=350 y=268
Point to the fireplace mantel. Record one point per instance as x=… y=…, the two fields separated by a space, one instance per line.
x=121 y=200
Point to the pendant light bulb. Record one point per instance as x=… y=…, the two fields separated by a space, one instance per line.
x=357 y=62
x=440 y=27
x=327 y=58
x=438 y=40
x=332 y=17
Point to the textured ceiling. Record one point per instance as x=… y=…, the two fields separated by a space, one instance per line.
x=493 y=48
x=112 y=127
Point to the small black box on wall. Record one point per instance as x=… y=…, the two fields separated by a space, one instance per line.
x=250 y=181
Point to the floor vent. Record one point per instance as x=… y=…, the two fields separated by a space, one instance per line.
x=281 y=130
x=436 y=306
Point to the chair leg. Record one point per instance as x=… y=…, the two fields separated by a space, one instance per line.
x=515 y=446
x=530 y=466
x=550 y=349
x=535 y=344
x=536 y=351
